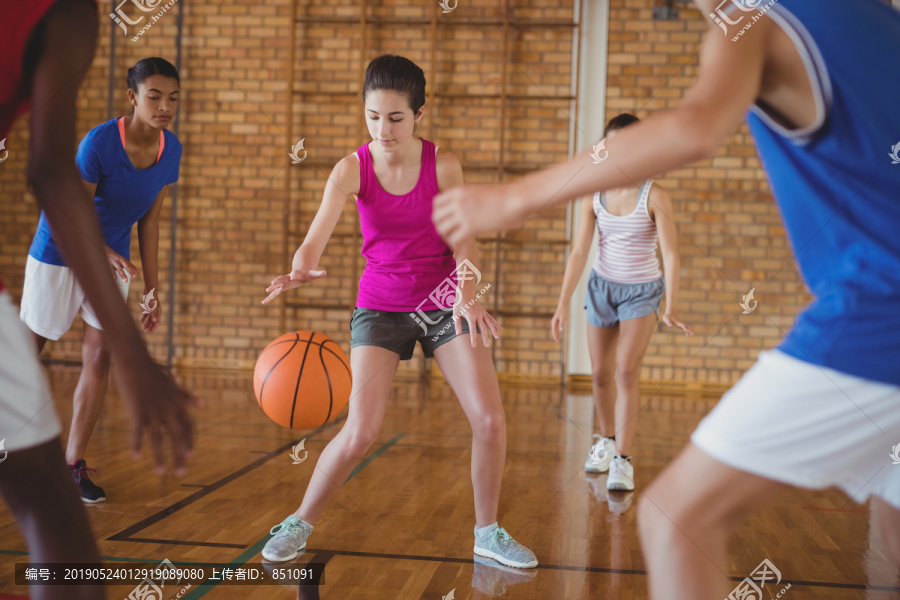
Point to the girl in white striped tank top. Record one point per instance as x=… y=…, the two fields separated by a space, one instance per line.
x=624 y=292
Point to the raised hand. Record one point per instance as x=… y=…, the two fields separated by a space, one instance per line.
x=468 y=210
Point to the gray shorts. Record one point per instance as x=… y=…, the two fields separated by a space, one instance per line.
x=398 y=331
x=608 y=302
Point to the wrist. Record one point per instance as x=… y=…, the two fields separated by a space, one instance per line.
x=518 y=199
x=304 y=259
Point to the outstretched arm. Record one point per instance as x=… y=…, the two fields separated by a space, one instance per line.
x=729 y=82
x=343 y=183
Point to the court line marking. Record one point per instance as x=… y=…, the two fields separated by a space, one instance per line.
x=125 y=534
x=206 y=587
x=358 y=468
x=315 y=554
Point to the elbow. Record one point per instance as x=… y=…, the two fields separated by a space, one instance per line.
x=578 y=254
x=700 y=139
x=671 y=261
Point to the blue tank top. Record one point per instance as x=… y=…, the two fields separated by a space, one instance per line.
x=836 y=186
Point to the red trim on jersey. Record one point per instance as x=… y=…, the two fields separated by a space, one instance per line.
x=162 y=138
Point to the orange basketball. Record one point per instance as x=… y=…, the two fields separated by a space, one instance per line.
x=302 y=380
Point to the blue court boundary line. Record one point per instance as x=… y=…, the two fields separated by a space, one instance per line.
x=204 y=588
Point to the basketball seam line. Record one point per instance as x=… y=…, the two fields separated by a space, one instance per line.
x=299 y=377
x=266 y=379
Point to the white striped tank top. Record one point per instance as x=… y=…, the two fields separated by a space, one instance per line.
x=627 y=252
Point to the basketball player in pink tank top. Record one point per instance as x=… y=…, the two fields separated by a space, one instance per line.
x=394 y=180
x=622 y=302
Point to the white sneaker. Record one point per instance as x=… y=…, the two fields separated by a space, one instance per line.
x=600 y=455
x=621 y=475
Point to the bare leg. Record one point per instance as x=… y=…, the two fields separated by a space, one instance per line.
x=41 y=342
x=38 y=489
x=685 y=521
x=373 y=371
x=634 y=337
x=470 y=372
x=602 y=347
x=89 y=393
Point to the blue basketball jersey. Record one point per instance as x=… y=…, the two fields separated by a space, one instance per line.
x=838 y=185
x=124 y=193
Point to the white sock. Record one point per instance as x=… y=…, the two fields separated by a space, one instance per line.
x=485 y=530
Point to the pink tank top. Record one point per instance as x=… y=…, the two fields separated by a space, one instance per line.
x=627 y=251
x=406 y=259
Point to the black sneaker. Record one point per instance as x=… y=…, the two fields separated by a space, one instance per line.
x=90 y=492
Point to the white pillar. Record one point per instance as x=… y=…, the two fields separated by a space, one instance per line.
x=591 y=120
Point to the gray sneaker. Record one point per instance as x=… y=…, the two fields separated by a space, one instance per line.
x=500 y=546
x=289 y=539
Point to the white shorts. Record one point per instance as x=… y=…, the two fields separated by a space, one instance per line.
x=51 y=298
x=27 y=415
x=808 y=426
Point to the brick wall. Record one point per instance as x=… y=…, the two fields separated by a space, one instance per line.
x=239 y=194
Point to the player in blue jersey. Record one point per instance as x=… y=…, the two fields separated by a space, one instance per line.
x=127 y=165
x=823 y=409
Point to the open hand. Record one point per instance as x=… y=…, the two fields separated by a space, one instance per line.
x=292 y=280
x=671 y=319
x=159 y=408
x=478 y=318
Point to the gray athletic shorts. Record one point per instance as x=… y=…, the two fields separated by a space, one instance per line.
x=398 y=331
x=608 y=302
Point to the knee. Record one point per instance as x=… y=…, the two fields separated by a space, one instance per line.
x=601 y=376
x=654 y=528
x=662 y=525
x=490 y=426
x=95 y=359
x=358 y=441
x=627 y=373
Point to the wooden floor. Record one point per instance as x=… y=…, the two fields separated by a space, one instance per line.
x=402 y=526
